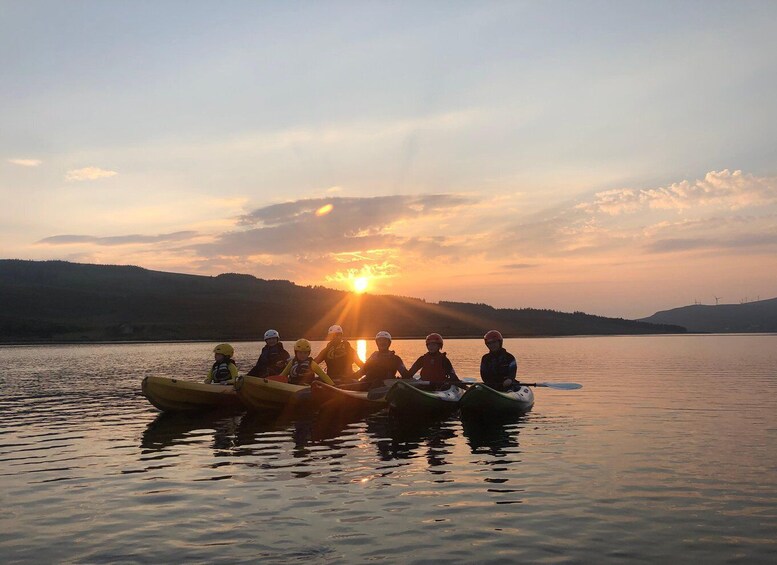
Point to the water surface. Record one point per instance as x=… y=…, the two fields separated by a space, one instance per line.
x=668 y=452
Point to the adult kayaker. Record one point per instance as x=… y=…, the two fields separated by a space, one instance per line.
x=224 y=370
x=381 y=365
x=302 y=369
x=273 y=357
x=498 y=367
x=338 y=355
x=434 y=365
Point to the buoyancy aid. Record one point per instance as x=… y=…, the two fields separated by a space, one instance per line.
x=271 y=360
x=497 y=366
x=339 y=359
x=381 y=365
x=220 y=372
x=301 y=372
x=435 y=367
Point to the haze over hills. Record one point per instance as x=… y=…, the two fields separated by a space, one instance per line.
x=61 y=301
x=757 y=316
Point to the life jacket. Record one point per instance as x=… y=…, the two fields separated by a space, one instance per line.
x=339 y=359
x=381 y=365
x=435 y=367
x=301 y=372
x=497 y=366
x=219 y=372
x=269 y=359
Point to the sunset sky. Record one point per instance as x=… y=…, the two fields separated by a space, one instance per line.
x=617 y=158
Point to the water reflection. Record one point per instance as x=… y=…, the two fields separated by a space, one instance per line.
x=406 y=439
x=492 y=436
x=169 y=429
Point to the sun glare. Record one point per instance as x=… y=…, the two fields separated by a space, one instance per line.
x=360 y=284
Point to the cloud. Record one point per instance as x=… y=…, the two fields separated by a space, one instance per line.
x=350 y=225
x=117 y=239
x=88 y=173
x=725 y=189
x=25 y=162
x=738 y=241
x=518 y=266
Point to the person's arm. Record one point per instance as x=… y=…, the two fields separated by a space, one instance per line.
x=403 y=372
x=233 y=372
x=483 y=369
x=356 y=360
x=286 y=369
x=260 y=364
x=321 y=374
x=209 y=378
x=415 y=368
x=321 y=354
x=450 y=372
x=512 y=369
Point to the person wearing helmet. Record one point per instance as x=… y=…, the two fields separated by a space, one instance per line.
x=498 y=367
x=434 y=365
x=382 y=364
x=338 y=355
x=224 y=370
x=302 y=369
x=273 y=357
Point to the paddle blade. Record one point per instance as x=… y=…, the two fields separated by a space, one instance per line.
x=561 y=386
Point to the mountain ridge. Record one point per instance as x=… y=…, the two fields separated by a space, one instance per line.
x=750 y=317
x=59 y=301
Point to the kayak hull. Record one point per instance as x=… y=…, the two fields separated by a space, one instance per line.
x=175 y=395
x=332 y=397
x=412 y=401
x=482 y=400
x=258 y=393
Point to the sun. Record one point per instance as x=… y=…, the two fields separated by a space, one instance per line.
x=360 y=284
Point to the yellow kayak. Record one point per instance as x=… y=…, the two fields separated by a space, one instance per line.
x=175 y=395
x=258 y=393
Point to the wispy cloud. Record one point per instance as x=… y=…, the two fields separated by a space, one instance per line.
x=25 y=162
x=89 y=173
x=117 y=239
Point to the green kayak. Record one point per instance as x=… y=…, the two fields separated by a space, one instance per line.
x=483 y=400
x=411 y=400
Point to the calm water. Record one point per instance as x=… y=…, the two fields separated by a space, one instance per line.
x=668 y=452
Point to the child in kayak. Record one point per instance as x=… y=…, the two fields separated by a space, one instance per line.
x=381 y=365
x=498 y=367
x=434 y=364
x=273 y=357
x=338 y=355
x=224 y=370
x=302 y=369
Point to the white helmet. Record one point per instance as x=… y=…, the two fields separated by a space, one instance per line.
x=384 y=335
x=335 y=329
x=270 y=334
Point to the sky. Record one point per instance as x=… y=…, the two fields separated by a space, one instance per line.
x=616 y=158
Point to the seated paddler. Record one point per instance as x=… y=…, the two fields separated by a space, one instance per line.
x=383 y=364
x=302 y=369
x=498 y=368
x=224 y=370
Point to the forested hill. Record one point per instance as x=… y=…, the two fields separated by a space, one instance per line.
x=757 y=316
x=60 y=301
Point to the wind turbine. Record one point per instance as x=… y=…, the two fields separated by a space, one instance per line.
x=717 y=299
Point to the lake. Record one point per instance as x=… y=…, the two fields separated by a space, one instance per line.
x=667 y=453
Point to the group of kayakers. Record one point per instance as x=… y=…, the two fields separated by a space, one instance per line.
x=498 y=368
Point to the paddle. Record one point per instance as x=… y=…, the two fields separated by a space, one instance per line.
x=557 y=386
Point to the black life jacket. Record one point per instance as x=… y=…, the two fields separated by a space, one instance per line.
x=339 y=359
x=381 y=365
x=269 y=359
x=219 y=372
x=301 y=372
x=497 y=366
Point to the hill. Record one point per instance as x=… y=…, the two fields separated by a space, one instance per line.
x=61 y=301
x=759 y=316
